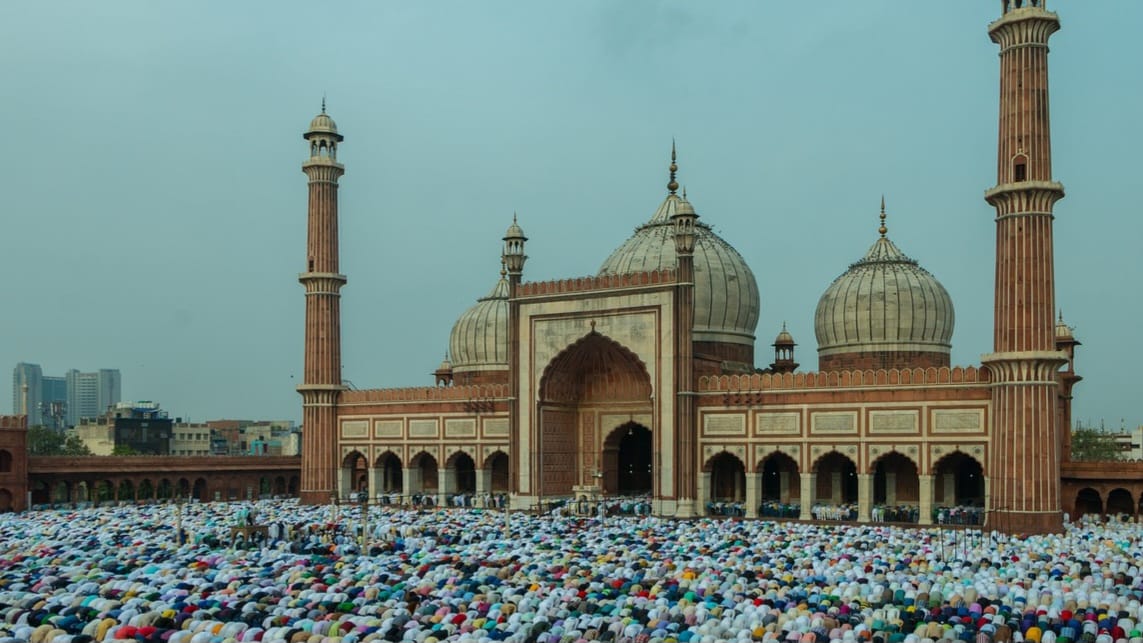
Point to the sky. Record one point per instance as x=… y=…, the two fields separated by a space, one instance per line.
x=154 y=206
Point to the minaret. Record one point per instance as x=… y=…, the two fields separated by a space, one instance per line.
x=321 y=385
x=686 y=445
x=513 y=259
x=1024 y=459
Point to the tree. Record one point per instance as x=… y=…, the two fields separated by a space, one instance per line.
x=1092 y=444
x=125 y=449
x=45 y=441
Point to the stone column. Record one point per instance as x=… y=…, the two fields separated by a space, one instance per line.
x=753 y=484
x=784 y=486
x=926 y=503
x=411 y=481
x=949 y=481
x=483 y=481
x=703 y=495
x=807 y=483
x=376 y=484
x=890 y=488
x=864 y=497
x=835 y=488
x=446 y=485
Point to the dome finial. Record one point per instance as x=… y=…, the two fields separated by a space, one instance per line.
x=323 y=103
x=673 y=184
x=503 y=266
x=883 y=229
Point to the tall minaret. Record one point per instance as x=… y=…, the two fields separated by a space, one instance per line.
x=1024 y=459
x=322 y=384
x=684 y=220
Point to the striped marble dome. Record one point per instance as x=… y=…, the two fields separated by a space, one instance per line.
x=726 y=294
x=885 y=302
x=479 y=339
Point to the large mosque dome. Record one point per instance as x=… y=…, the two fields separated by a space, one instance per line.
x=725 y=292
x=479 y=339
x=885 y=311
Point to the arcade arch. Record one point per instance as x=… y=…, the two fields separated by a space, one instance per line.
x=895 y=480
x=958 y=480
x=727 y=478
x=835 y=480
x=628 y=462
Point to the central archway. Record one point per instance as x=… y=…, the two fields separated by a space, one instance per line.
x=594 y=378
x=628 y=461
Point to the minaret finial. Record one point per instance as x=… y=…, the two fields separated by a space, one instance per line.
x=323 y=103
x=673 y=184
x=503 y=266
x=883 y=229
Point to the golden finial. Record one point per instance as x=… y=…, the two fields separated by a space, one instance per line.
x=323 y=103
x=673 y=184
x=883 y=229
x=503 y=266
x=684 y=193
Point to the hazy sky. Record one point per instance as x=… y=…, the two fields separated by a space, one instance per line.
x=154 y=207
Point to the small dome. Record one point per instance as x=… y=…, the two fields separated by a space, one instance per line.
x=1063 y=331
x=479 y=339
x=784 y=338
x=323 y=123
x=514 y=231
x=725 y=294
x=884 y=303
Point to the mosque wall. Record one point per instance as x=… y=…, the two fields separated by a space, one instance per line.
x=13 y=463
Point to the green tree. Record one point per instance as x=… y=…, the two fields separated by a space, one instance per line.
x=45 y=441
x=125 y=449
x=1091 y=444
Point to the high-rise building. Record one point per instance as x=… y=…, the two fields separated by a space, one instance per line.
x=27 y=402
x=90 y=394
x=53 y=402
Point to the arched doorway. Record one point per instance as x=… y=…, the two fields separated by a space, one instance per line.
x=958 y=481
x=295 y=485
x=165 y=490
x=104 y=491
x=780 y=482
x=590 y=378
x=497 y=467
x=836 y=480
x=895 y=480
x=184 y=488
x=354 y=474
x=389 y=468
x=1120 y=502
x=463 y=472
x=1088 y=501
x=280 y=486
x=199 y=491
x=424 y=474
x=146 y=491
x=126 y=491
x=727 y=479
x=628 y=461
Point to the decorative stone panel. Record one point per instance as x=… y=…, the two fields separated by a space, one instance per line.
x=460 y=428
x=895 y=421
x=724 y=424
x=834 y=422
x=778 y=423
x=958 y=420
x=711 y=450
x=496 y=427
x=354 y=429
x=423 y=428
x=394 y=429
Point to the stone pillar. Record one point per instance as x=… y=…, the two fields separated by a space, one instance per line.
x=344 y=483
x=376 y=484
x=411 y=481
x=703 y=495
x=949 y=481
x=890 y=488
x=446 y=485
x=864 y=497
x=753 y=487
x=835 y=488
x=807 y=483
x=784 y=486
x=483 y=481
x=926 y=503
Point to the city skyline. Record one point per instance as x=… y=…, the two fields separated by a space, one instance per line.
x=166 y=162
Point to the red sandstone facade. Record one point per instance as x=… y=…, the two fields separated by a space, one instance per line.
x=13 y=462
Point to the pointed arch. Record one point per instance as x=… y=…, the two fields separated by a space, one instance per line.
x=727 y=478
x=595 y=367
x=895 y=480
x=958 y=480
x=835 y=479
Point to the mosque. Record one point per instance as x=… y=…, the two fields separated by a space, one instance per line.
x=644 y=379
